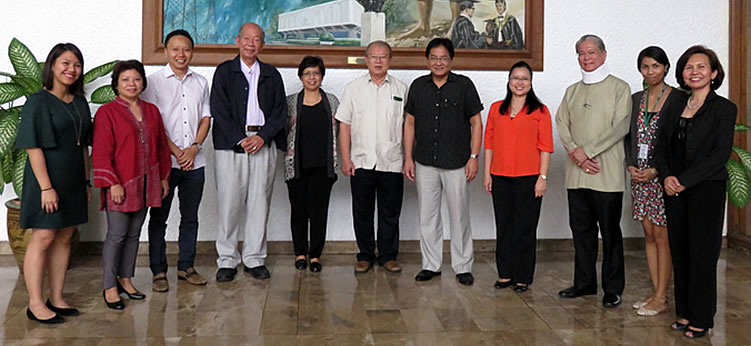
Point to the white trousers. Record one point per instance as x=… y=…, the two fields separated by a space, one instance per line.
x=243 y=187
x=432 y=183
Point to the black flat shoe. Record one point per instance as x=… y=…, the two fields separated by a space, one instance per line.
x=62 y=311
x=695 y=334
x=611 y=300
x=118 y=305
x=425 y=275
x=135 y=296
x=573 y=292
x=521 y=288
x=260 y=272
x=315 y=267
x=52 y=320
x=465 y=279
x=679 y=326
x=301 y=264
x=225 y=274
x=502 y=284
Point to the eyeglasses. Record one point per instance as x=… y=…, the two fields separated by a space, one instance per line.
x=434 y=58
x=311 y=73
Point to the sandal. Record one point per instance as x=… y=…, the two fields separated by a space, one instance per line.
x=679 y=326
x=694 y=334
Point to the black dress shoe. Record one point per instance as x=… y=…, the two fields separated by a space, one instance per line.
x=425 y=275
x=134 y=296
x=52 y=320
x=259 y=272
x=611 y=300
x=118 y=305
x=521 y=288
x=62 y=311
x=465 y=279
x=503 y=284
x=573 y=292
x=301 y=264
x=225 y=274
x=315 y=267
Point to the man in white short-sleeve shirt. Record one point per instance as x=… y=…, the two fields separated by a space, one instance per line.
x=182 y=97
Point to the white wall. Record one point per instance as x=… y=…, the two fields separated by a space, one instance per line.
x=107 y=30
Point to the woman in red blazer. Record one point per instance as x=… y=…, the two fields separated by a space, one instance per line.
x=131 y=166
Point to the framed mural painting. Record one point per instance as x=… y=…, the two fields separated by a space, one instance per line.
x=487 y=34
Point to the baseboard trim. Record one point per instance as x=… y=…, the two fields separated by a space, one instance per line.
x=350 y=246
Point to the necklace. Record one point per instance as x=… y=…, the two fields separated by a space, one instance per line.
x=80 y=120
x=689 y=106
x=647 y=115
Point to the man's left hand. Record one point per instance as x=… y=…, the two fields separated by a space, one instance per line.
x=253 y=144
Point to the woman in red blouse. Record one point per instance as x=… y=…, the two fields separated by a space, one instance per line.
x=131 y=165
x=518 y=144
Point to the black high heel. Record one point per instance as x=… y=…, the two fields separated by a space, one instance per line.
x=135 y=296
x=52 y=320
x=118 y=305
x=62 y=311
x=503 y=284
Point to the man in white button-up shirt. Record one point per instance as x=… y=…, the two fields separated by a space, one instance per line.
x=370 y=135
x=182 y=97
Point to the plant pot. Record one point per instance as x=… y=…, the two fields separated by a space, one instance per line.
x=19 y=238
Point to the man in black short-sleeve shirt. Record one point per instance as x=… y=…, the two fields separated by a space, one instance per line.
x=442 y=138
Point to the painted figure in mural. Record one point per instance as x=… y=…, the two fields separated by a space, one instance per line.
x=593 y=119
x=504 y=31
x=250 y=110
x=182 y=96
x=464 y=34
x=442 y=142
x=371 y=5
x=425 y=9
x=370 y=136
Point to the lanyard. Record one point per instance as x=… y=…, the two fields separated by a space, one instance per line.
x=647 y=116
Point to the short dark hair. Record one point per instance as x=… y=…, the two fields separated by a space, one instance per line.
x=532 y=102
x=714 y=63
x=125 y=65
x=465 y=4
x=503 y=1
x=656 y=53
x=311 y=61
x=379 y=43
x=440 y=41
x=48 y=78
x=178 y=32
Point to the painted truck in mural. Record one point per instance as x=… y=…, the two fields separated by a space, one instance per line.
x=473 y=24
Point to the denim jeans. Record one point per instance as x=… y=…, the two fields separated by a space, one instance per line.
x=190 y=190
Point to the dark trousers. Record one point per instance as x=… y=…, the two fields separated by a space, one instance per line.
x=120 y=247
x=309 y=201
x=517 y=212
x=388 y=188
x=695 y=219
x=190 y=190
x=587 y=209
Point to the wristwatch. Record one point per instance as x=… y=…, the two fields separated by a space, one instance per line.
x=474 y=156
x=198 y=145
x=544 y=177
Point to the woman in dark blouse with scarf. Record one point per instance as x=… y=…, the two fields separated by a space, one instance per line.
x=310 y=162
x=693 y=148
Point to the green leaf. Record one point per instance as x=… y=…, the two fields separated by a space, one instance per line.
x=742 y=127
x=30 y=85
x=99 y=71
x=103 y=94
x=6 y=169
x=8 y=129
x=745 y=157
x=2 y=188
x=23 y=60
x=19 y=164
x=6 y=74
x=10 y=91
x=739 y=184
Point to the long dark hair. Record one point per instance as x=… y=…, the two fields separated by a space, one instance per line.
x=532 y=102
x=48 y=78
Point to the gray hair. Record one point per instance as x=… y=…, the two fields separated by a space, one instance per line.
x=379 y=43
x=263 y=34
x=590 y=37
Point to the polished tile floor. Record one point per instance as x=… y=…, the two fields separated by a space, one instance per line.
x=337 y=307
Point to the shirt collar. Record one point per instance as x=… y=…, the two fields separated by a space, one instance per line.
x=124 y=103
x=169 y=73
x=387 y=79
x=253 y=69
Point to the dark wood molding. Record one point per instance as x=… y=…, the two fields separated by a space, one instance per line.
x=405 y=58
x=738 y=219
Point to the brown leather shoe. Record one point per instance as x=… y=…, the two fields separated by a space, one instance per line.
x=362 y=266
x=159 y=283
x=191 y=276
x=392 y=266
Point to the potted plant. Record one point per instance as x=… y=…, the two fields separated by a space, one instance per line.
x=739 y=183
x=26 y=81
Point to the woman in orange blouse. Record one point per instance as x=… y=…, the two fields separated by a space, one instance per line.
x=516 y=175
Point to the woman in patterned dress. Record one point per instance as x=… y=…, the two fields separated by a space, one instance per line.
x=646 y=190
